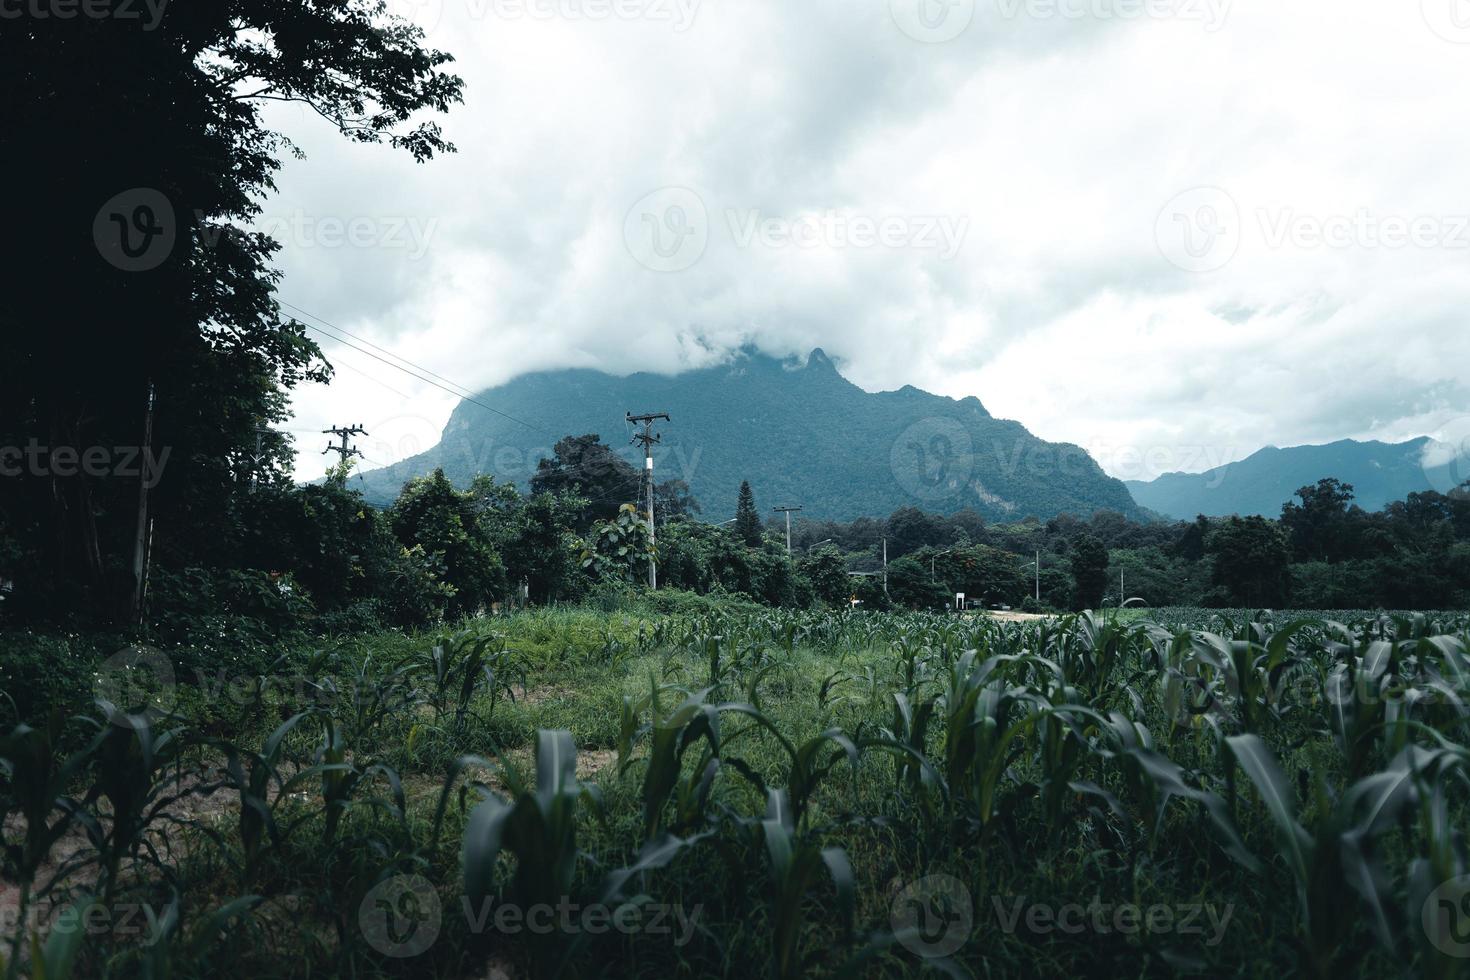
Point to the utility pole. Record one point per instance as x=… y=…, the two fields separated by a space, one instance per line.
x=260 y=430
x=1038 y=576
x=885 y=566
x=647 y=438
x=343 y=451
x=788 y=511
x=143 y=531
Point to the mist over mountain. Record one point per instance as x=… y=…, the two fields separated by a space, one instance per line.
x=1261 y=483
x=799 y=432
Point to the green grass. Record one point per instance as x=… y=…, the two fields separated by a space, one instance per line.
x=1073 y=822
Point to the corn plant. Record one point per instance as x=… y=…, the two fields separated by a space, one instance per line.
x=36 y=782
x=458 y=667
x=797 y=863
x=1332 y=859
x=538 y=826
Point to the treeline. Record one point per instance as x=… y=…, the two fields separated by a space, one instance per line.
x=282 y=556
x=1324 y=552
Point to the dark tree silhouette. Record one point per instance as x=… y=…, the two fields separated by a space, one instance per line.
x=132 y=275
x=1089 y=571
x=581 y=466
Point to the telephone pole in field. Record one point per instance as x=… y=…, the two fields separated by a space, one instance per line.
x=344 y=452
x=788 y=511
x=647 y=438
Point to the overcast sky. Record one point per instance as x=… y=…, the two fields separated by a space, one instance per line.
x=1170 y=231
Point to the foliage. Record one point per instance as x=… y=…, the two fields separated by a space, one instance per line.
x=1089 y=561
x=747 y=518
x=449 y=527
x=582 y=468
x=1307 y=773
x=619 y=549
x=197 y=331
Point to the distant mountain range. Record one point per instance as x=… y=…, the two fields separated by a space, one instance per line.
x=799 y=432
x=1380 y=473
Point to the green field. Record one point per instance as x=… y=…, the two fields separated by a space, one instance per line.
x=585 y=793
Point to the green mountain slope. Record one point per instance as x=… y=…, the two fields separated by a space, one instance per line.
x=800 y=433
x=1380 y=472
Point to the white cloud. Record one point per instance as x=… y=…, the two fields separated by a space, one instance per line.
x=1055 y=134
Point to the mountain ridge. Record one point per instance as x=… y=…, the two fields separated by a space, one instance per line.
x=799 y=431
x=1380 y=472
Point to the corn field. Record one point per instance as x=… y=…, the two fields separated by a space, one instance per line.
x=569 y=794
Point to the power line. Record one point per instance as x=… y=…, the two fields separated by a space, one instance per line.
x=463 y=393
x=428 y=381
x=392 y=354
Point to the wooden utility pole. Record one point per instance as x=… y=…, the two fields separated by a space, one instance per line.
x=260 y=431
x=141 y=532
x=788 y=511
x=885 y=566
x=344 y=452
x=647 y=438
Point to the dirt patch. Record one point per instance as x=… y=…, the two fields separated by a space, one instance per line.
x=1006 y=616
x=539 y=695
x=592 y=761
